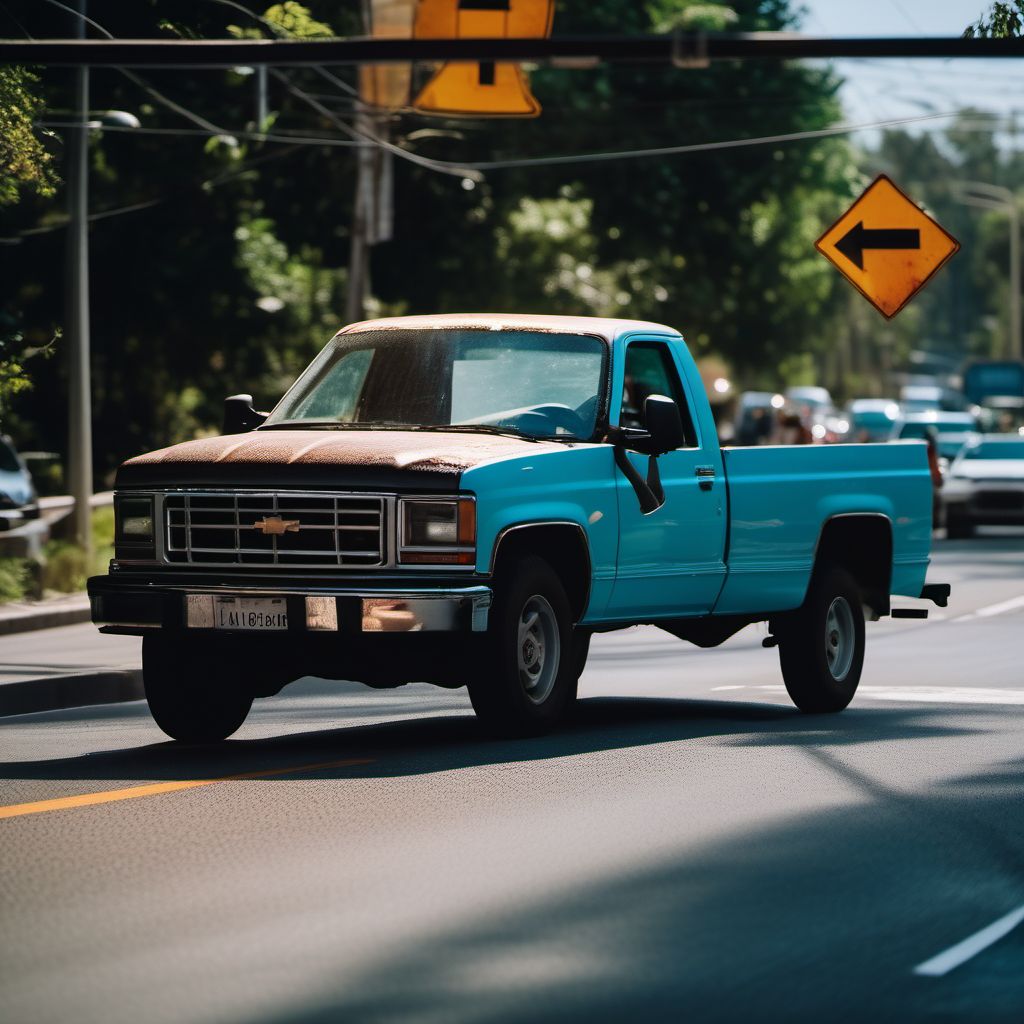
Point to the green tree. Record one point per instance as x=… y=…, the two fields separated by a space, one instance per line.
x=25 y=165
x=1003 y=21
x=24 y=162
x=220 y=266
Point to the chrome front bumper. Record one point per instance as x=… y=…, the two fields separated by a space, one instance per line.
x=325 y=611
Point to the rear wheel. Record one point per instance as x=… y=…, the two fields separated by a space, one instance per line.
x=821 y=646
x=196 y=691
x=525 y=679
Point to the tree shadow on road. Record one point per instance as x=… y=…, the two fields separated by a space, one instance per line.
x=437 y=743
x=819 y=917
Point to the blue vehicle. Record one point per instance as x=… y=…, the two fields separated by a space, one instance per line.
x=465 y=500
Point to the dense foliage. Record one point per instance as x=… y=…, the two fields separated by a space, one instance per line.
x=219 y=258
x=25 y=166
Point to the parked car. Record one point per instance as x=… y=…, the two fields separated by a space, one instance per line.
x=465 y=499
x=755 y=417
x=931 y=398
x=21 y=531
x=985 y=484
x=872 y=419
x=952 y=429
x=818 y=413
x=817 y=399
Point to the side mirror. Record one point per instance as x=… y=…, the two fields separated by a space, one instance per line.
x=664 y=425
x=240 y=416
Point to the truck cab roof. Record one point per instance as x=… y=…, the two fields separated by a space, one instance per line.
x=608 y=328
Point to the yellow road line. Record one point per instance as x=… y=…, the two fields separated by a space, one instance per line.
x=155 y=789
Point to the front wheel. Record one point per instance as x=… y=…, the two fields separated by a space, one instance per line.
x=821 y=646
x=196 y=691
x=525 y=679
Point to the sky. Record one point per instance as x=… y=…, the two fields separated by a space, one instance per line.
x=880 y=89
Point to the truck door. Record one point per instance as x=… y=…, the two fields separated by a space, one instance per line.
x=670 y=562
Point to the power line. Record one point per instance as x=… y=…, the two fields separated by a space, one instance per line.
x=700 y=147
x=132 y=77
x=441 y=166
x=210 y=183
x=681 y=48
x=282 y=136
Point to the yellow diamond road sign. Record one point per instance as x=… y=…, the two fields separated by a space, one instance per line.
x=886 y=246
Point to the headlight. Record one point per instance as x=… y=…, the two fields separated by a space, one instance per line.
x=134 y=535
x=437 y=531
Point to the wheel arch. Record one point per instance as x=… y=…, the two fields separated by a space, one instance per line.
x=862 y=544
x=562 y=543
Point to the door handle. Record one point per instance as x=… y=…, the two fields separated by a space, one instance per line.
x=706 y=477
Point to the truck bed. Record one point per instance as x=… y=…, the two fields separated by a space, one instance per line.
x=781 y=497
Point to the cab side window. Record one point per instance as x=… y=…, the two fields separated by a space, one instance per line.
x=650 y=371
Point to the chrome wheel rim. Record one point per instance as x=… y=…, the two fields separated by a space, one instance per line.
x=840 y=638
x=538 y=649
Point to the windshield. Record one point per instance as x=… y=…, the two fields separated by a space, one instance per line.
x=870 y=418
x=525 y=382
x=920 y=430
x=8 y=460
x=996 y=450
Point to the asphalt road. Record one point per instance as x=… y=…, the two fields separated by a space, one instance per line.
x=692 y=848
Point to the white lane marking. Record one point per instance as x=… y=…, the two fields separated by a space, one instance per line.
x=943 y=694
x=993 y=609
x=974 y=944
x=919 y=694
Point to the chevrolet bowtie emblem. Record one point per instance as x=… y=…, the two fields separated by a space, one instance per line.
x=276 y=526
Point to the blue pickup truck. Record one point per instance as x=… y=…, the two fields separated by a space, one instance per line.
x=464 y=500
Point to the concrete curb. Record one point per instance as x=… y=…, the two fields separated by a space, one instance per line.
x=82 y=689
x=63 y=612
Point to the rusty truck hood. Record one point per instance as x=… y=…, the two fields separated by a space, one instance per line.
x=378 y=459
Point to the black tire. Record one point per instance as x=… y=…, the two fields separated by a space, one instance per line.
x=195 y=690
x=524 y=681
x=821 y=646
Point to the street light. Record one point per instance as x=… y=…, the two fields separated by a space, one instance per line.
x=995 y=197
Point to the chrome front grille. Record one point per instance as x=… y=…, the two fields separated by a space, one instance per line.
x=238 y=528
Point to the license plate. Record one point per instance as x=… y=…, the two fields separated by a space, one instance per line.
x=249 y=614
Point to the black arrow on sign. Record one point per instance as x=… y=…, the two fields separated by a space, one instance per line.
x=859 y=238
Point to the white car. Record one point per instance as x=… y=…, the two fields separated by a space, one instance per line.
x=952 y=429
x=985 y=484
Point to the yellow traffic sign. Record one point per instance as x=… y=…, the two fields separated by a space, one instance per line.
x=486 y=88
x=886 y=246
x=478 y=90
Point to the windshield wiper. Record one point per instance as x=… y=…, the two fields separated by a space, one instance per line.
x=336 y=425
x=481 y=428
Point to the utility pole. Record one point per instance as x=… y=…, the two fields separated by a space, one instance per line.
x=362 y=204
x=372 y=206
x=77 y=311
x=362 y=211
x=262 y=101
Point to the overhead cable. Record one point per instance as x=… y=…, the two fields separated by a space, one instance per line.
x=687 y=49
x=699 y=147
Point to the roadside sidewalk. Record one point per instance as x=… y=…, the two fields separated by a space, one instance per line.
x=22 y=616
x=66 y=667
